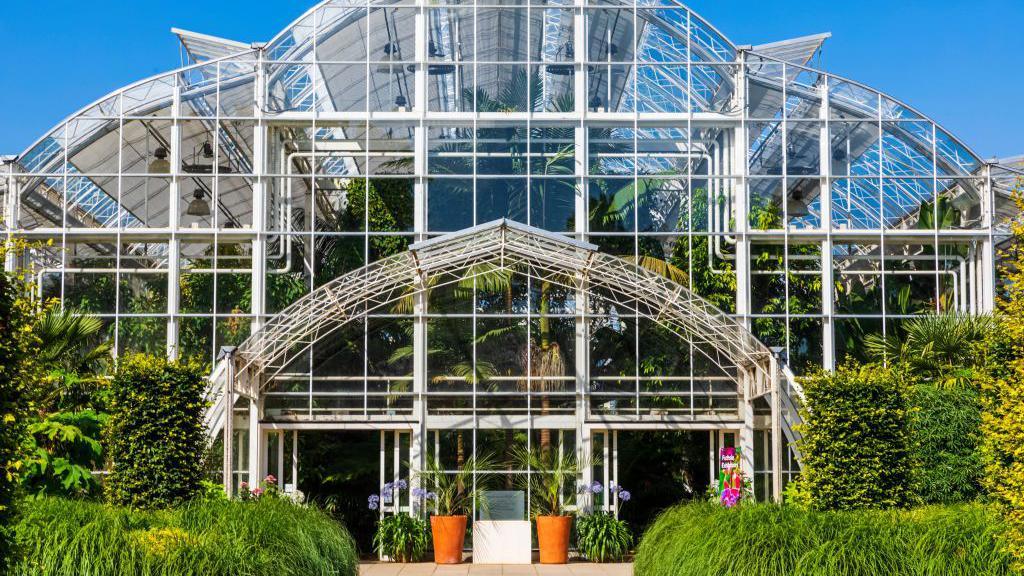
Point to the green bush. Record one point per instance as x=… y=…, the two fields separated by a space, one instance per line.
x=945 y=428
x=156 y=436
x=15 y=364
x=856 y=441
x=205 y=537
x=401 y=537
x=602 y=537
x=769 y=540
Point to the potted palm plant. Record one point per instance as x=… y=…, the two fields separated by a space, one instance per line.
x=552 y=470
x=453 y=495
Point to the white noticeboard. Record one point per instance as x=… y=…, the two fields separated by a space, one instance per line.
x=501 y=542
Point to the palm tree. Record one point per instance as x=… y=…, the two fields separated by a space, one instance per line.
x=73 y=351
x=946 y=349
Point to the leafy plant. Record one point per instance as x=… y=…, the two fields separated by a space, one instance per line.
x=856 y=444
x=945 y=427
x=602 y=537
x=456 y=491
x=74 y=352
x=202 y=538
x=17 y=365
x=156 y=436
x=946 y=350
x=401 y=538
x=63 y=453
x=552 y=471
x=1003 y=395
x=771 y=540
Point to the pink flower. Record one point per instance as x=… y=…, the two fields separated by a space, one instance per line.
x=244 y=485
x=257 y=492
x=271 y=479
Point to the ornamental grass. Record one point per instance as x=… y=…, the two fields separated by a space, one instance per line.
x=205 y=537
x=770 y=540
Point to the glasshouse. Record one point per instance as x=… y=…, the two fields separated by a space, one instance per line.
x=409 y=231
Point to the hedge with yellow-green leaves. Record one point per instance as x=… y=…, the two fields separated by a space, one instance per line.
x=156 y=436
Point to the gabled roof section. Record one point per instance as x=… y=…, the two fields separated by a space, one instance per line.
x=795 y=50
x=203 y=47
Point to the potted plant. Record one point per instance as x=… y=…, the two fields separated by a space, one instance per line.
x=600 y=535
x=552 y=469
x=401 y=538
x=454 y=493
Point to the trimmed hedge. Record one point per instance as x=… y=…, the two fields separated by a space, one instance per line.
x=856 y=442
x=156 y=436
x=205 y=537
x=770 y=540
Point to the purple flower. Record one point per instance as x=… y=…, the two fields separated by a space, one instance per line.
x=388 y=487
x=419 y=493
x=373 y=502
x=730 y=497
x=402 y=485
x=596 y=488
x=431 y=495
x=624 y=495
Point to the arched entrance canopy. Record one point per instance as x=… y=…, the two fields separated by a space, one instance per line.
x=509 y=246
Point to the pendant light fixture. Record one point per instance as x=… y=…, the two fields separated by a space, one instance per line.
x=198 y=206
x=160 y=163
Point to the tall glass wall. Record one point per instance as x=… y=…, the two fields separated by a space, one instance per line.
x=187 y=209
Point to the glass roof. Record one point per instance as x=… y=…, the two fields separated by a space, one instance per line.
x=667 y=34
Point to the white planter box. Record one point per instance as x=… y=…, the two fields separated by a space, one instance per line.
x=501 y=542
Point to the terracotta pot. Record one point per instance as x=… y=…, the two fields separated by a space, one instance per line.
x=449 y=534
x=553 y=537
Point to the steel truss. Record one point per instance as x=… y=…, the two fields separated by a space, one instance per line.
x=510 y=247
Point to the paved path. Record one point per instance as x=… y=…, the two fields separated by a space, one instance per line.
x=426 y=569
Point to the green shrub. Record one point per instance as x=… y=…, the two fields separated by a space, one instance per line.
x=602 y=537
x=63 y=452
x=157 y=439
x=769 y=540
x=856 y=443
x=205 y=537
x=945 y=429
x=1003 y=392
x=15 y=364
x=401 y=537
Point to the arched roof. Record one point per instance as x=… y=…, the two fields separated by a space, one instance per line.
x=506 y=246
x=670 y=29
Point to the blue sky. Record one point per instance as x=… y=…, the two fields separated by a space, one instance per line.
x=954 y=60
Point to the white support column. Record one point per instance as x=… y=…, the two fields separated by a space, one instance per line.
x=257 y=458
x=417 y=446
x=259 y=202
x=827 y=280
x=295 y=459
x=776 y=432
x=280 y=458
x=746 y=436
x=10 y=213
x=419 y=438
x=742 y=198
x=174 y=221
x=584 y=449
x=173 y=282
x=229 y=424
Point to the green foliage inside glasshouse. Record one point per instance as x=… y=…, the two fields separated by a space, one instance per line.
x=205 y=537
x=769 y=540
